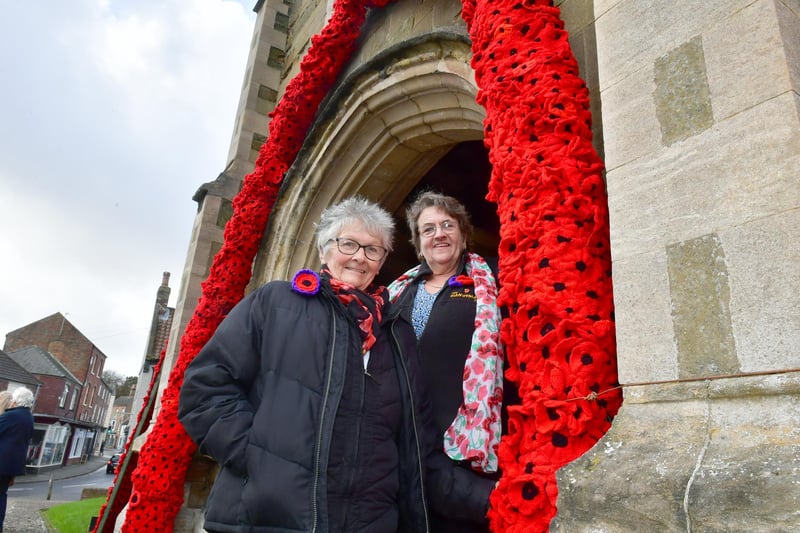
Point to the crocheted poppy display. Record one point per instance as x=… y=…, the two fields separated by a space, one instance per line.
x=554 y=256
x=120 y=491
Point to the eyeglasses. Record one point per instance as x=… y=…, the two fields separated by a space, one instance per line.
x=373 y=252
x=429 y=230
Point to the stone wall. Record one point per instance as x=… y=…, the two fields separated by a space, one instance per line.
x=702 y=142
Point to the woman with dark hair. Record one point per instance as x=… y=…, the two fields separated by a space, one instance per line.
x=451 y=300
x=309 y=398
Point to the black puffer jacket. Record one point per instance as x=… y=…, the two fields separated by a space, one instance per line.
x=305 y=438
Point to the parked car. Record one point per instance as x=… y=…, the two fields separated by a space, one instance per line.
x=111 y=464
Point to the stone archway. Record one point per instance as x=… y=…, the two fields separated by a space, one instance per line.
x=379 y=134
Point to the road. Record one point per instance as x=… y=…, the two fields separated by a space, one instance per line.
x=65 y=490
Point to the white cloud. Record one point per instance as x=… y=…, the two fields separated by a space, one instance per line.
x=113 y=113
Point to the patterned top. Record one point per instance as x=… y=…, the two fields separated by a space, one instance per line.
x=423 y=303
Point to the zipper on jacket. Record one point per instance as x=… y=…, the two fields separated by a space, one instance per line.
x=414 y=423
x=358 y=431
x=314 y=510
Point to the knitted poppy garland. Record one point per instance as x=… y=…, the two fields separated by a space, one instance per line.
x=554 y=255
x=555 y=261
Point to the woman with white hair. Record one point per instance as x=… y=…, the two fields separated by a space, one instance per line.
x=16 y=428
x=308 y=396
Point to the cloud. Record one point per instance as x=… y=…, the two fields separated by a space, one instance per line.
x=113 y=114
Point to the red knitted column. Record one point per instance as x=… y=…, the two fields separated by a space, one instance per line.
x=555 y=262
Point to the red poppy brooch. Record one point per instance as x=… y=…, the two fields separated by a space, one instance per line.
x=306 y=282
x=460 y=281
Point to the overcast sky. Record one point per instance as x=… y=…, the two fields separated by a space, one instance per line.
x=113 y=113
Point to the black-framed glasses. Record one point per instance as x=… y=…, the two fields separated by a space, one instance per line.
x=373 y=252
x=429 y=230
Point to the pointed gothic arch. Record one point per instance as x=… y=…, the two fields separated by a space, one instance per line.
x=378 y=135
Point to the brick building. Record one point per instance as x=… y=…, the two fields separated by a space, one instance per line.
x=80 y=388
x=53 y=411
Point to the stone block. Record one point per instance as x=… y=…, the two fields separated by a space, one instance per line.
x=681 y=95
x=630 y=127
x=633 y=479
x=788 y=15
x=627 y=31
x=93 y=492
x=700 y=305
x=763 y=257
x=692 y=189
x=646 y=348
x=720 y=463
x=746 y=57
x=401 y=22
x=576 y=14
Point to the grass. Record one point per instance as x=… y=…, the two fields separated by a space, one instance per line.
x=73 y=517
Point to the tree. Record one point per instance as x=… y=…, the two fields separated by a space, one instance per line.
x=129 y=386
x=121 y=385
x=113 y=379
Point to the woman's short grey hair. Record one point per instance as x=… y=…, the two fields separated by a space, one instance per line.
x=22 y=397
x=355 y=211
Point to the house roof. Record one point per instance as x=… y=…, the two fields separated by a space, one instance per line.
x=11 y=371
x=38 y=361
x=123 y=401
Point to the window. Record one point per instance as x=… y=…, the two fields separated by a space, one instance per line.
x=266 y=99
x=281 y=22
x=276 y=57
x=257 y=141
x=74 y=399
x=63 y=398
x=91 y=365
x=255 y=145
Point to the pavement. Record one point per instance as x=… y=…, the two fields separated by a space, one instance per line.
x=23 y=515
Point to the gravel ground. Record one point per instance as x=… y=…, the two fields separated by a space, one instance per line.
x=24 y=516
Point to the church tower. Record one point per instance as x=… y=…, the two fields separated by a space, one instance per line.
x=696 y=114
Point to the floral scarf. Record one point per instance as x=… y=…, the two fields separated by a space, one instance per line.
x=475 y=433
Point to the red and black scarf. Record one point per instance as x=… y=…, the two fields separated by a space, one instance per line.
x=366 y=308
